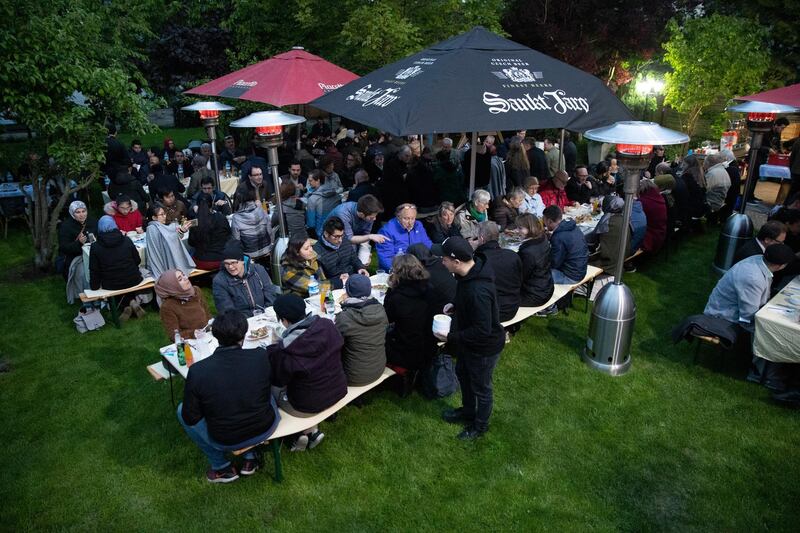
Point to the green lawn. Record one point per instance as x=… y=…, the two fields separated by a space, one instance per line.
x=90 y=441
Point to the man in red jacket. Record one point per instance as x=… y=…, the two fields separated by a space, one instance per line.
x=553 y=192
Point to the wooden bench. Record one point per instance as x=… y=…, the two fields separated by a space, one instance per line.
x=104 y=294
x=290 y=425
x=523 y=313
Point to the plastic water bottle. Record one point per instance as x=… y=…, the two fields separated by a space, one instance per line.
x=166 y=157
x=227 y=169
x=180 y=172
x=107 y=181
x=313 y=288
x=179 y=348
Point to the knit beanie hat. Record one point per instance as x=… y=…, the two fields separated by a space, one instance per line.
x=290 y=307
x=358 y=286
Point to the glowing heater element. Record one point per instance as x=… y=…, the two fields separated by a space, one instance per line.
x=761 y=117
x=209 y=113
x=269 y=130
x=634 y=149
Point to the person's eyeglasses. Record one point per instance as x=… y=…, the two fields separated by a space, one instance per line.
x=332 y=237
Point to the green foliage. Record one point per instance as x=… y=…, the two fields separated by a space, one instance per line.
x=379 y=34
x=713 y=58
x=55 y=49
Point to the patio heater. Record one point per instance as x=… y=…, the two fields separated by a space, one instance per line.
x=269 y=134
x=738 y=227
x=209 y=114
x=608 y=344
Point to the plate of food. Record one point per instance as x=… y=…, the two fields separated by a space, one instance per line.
x=258 y=334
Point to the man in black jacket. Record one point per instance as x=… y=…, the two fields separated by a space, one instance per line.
x=476 y=332
x=227 y=403
x=336 y=256
x=773 y=232
x=507 y=267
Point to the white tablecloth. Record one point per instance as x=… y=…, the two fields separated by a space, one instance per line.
x=204 y=347
x=777 y=336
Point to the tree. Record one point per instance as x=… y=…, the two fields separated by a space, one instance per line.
x=712 y=58
x=607 y=39
x=53 y=50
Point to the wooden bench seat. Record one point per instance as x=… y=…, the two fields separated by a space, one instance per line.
x=291 y=425
x=104 y=294
x=560 y=291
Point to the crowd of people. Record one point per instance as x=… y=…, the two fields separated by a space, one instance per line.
x=353 y=199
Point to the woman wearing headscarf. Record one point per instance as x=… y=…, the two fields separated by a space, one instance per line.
x=74 y=232
x=609 y=232
x=114 y=264
x=183 y=306
x=164 y=248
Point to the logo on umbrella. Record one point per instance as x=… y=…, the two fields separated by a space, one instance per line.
x=556 y=100
x=379 y=97
x=242 y=83
x=410 y=72
x=328 y=88
x=518 y=75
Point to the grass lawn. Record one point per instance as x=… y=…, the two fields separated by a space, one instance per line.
x=90 y=441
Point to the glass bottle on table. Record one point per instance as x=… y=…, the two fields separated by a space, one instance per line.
x=330 y=304
x=179 y=348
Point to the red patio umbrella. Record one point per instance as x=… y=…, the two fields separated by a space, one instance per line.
x=785 y=95
x=293 y=77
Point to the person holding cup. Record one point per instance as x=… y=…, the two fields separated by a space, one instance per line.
x=477 y=334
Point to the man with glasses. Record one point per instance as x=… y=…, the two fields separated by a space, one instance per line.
x=400 y=232
x=773 y=232
x=242 y=285
x=255 y=182
x=336 y=255
x=582 y=187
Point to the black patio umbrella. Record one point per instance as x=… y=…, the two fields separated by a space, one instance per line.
x=476 y=81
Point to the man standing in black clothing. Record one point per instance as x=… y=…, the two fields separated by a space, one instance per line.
x=117 y=158
x=227 y=403
x=477 y=334
x=506 y=265
x=537 y=159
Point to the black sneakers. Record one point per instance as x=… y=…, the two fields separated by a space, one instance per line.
x=226 y=475
x=470 y=433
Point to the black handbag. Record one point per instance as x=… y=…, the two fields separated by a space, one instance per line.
x=440 y=378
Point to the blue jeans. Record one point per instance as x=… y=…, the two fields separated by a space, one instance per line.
x=560 y=279
x=475 y=378
x=214 y=451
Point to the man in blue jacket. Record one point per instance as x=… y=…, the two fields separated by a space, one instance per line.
x=400 y=232
x=358 y=219
x=568 y=250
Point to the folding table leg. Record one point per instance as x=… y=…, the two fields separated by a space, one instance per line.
x=171 y=391
x=276 y=454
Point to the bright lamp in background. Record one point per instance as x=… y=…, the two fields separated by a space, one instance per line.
x=209 y=114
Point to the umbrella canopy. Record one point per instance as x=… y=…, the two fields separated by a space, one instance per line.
x=293 y=77
x=789 y=96
x=476 y=81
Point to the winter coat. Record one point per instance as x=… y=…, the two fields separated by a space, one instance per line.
x=294 y=216
x=421 y=187
x=296 y=276
x=254 y=291
x=655 y=208
x=68 y=231
x=537 y=281
x=507 y=268
x=638 y=225
x=320 y=203
x=129 y=186
x=308 y=362
x=353 y=224
x=184 y=315
x=399 y=240
x=552 y=195
x=467 y=224
x=437 y=232
x=209 y=242
x=580 y=192
x=504 y=214
x=128 y=222
x=337 y=261
x=251 y=226
x=410 y=342
x=568 y=251
x=450 y=183
x=231 y=391
x=476 y=329
x=113 y=262
x=362 y=324
x=608 y=249
x=718 y=182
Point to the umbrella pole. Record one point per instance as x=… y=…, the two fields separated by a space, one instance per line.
x=212 y=136
x=472 y=155
x=299 y=126
x=561 y=160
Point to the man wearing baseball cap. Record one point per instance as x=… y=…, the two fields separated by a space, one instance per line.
x=477 y=334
